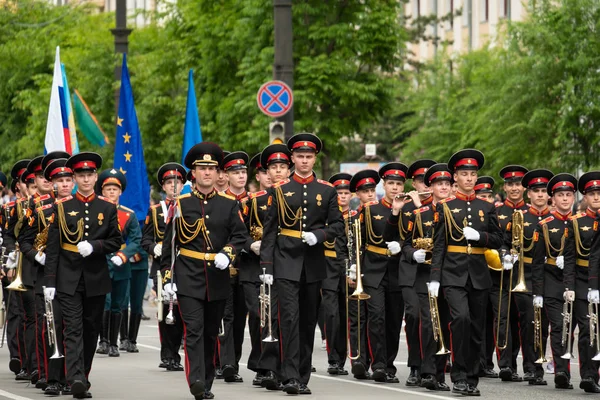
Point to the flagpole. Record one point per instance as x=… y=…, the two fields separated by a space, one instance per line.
x=121 y=34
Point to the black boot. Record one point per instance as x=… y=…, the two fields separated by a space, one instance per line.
x=124 y=336
x=134 y=327
x=103 y=346
x=115 y=324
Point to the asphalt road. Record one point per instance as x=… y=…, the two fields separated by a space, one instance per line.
x=137 y=376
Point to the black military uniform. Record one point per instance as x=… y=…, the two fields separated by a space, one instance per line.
x=459 y=266
x=81 y=282
x=206 y=225
x=300 y=206
x=406 y=280
x=26 y=299
x=549 y=280
x=380 y=273
x=420 y=237
x=152 y=235
x=333 y=290
x=507 y=359
x=584 y=228
x=40 y=214
x=534 y=179
x=15 y=316
x=234 y=320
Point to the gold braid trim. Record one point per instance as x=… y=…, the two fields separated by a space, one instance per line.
x=451 y=223
x=371 y=236
x=66 y=233
x=285 y=212
x=157 y=232
x=188 y=232
x=549 y=244
x=581 y=249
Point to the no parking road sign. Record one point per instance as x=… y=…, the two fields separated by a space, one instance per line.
x=275 y=98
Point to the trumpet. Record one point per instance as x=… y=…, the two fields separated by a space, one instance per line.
x=594 y=328
x=406 y=195
x=265 y=310
x=438 y=335
x=537 y=335
x=567 y=330
x=52 y=341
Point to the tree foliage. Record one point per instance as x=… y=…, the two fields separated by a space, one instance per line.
x=532 y=101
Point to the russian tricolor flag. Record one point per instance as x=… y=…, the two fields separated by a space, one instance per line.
x=60 y=129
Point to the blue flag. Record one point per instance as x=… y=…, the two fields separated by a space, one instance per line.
x=129 y=153
x=192 y=134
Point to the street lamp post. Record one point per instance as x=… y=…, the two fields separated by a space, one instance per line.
x=121 y=34
x=283 y=67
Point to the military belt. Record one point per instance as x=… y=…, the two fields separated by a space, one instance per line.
x=527 y=260
x=69 y=247
x=291 y=233
x=378 y=250
x=464 y=249
x=583 y=263
x=330 y=253
x=551 y=261
x=197 y=255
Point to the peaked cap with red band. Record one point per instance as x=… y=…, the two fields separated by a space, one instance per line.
x=438 y=172
x=589 y=181
x=513 y=173
x=466 y=159
x=341 y=180
x=365 y=179
x=419 y=168
x=484 y=184
x=395 y=171
x=56 y=169
x=305 y=142
x=562 y=182
x=86 y=161
x=536 y=178
x=235 y=160
x=18 y=169
x=275 y=153
x=170 y=170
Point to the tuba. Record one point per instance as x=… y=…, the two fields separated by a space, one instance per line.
x=424 y=244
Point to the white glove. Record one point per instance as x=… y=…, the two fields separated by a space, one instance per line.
x=434 y=288
x=116 y=260
x=158 y=250
x=221 y=261
x=11 y=261
x=471 y=234
x=309 y=238
x=419 y=256
x=507 y=263
x=132 y=259
x=1 y=239
x=560 y=262
x=352 y=272
x=41 y=258
x=569 y=295
x=594 y=296
x=170 y=289
x=85 y=248
x=515 y=257
x=255 y=247
x=538 y=301
x=49 y=293
x=266 y=278
x=393 y=247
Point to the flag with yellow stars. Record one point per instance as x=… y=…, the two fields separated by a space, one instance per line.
x=129 y=152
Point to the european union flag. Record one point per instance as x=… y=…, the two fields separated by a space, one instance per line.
x=129 y=154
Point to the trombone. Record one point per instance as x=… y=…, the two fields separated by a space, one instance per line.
x=354 y=240
x=438 y=335
x=265 y=310
x=567 y=329
x=537 y=335
x=17 y=284
x=594 y=328
x=517 y=244
x=49 y=314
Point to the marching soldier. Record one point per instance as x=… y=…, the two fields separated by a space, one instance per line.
x=235 y=165
x=484 y=190
x=584 y=228
x=38 y=216
x=549 y=280
x=112 y=184
x=16 y=224
x=209 y=232
x=15 y=318
x=507 y=360
x=84 y=229
x=464 y=227
x=334 y=286
x=276 y=159
x=417 y=248
x=170 y=177
x=535 y=182
x=303 y=215
x=406 y=273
